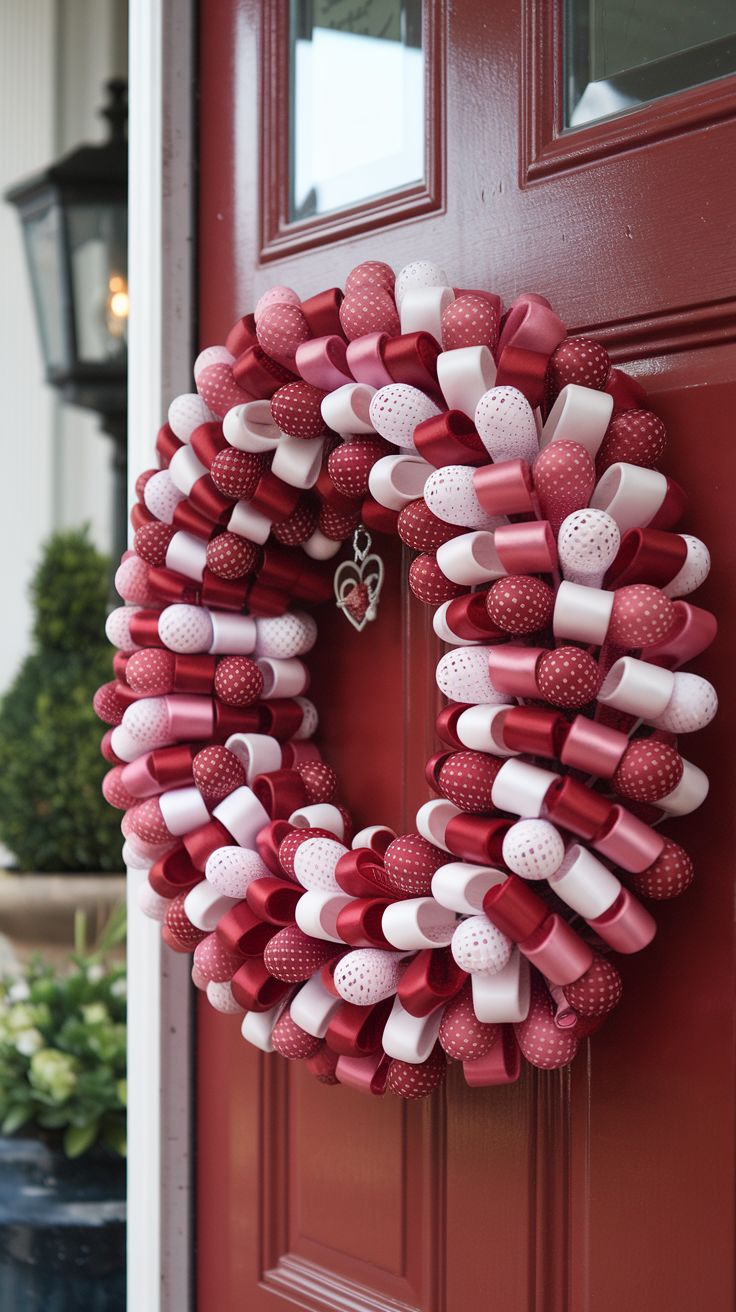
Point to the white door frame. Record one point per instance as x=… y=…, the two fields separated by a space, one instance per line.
x=161 y=244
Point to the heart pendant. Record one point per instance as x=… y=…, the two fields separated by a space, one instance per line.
x=358 y=582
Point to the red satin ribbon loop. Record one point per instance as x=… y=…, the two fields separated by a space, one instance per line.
x=125 y=695
x=273 y=900
x=647 y=555
x=378 y=518
x=359 y=923
x=203 y=841
x=357 y=1031
x=268 y=842
x=242 y=932
x=294 y=753
x=171 y=767
x=191 y=521
x=505 y=488
x=449 y=439
x=194 y=673
x=206 y=441
x=281 y=792
x=477 y=838
x=500 y=1065
x=294 y=574
x=258 y=374
x=171 y=588
x=446 y=723
x=468 y=617
x=223 y=594
x=274 y=498
x=237 y=719
x=254 y=989
x=526 y=548
x=144 y=628
x=430 y=981
x=627 y=393
x=534 y=731
x=139 y=516
x=530 y=333
x=572 y=806
x=281 y=718
x=514 y=908
x=412 y=358
x=242 y=335
x=167 y=444
x=433 y=767
x=205 y=498
x=322 y=312
x=266 y=601
x=359 y=872
x=173 y=873
x=672 y=508
x=326 y=491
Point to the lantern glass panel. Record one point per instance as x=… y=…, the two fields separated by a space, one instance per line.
x=43 y=233
x=97 y=236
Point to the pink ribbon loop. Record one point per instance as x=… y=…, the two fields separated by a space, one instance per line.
x=530 y=334
x=505 y=488
x=365 y=1074
x=500 y=1065
x=322 y=361
x=526 y=548
x=365 y=360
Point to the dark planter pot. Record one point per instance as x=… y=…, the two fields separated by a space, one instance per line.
x=62 y=1229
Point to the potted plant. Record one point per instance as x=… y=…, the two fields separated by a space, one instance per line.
x=52 y=814
x=62 y=1133
x=53 y=817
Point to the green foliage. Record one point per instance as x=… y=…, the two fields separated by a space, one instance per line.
x=62 y=1053
x=52 y=813
x=69 y=594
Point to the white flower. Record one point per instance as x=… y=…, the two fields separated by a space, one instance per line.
x=95 y=974
x=19 y=991
x=28 y=1042
x=119 y=987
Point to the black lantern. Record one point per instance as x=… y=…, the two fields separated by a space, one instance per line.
x=75 y=230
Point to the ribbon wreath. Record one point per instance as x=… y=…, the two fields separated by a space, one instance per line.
x=522 y=469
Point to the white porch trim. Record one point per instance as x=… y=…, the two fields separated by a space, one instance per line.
x=161 y=227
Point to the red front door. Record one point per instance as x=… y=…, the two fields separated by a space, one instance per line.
x=607 y=1187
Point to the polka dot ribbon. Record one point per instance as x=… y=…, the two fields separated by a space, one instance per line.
x=523 y=472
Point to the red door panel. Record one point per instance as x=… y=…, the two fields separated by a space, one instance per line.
x=609 y=1186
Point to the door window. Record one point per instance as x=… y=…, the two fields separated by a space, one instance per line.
x=623 y=53
x=356 y=102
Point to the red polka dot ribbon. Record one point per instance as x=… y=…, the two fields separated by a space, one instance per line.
x=523 y=472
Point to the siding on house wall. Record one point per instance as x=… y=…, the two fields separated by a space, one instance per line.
x=55 y=56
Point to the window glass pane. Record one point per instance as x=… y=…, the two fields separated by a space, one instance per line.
x=43 y=237
x=622 y=53
x=97 y=247
x=357 y=101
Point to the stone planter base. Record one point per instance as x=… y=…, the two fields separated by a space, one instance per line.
x=37 y=911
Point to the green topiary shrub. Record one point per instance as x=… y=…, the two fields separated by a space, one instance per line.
x=52 y=813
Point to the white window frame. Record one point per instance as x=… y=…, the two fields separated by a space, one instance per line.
x=160 y=1022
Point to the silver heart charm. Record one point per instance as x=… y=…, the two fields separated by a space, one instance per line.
x=358 y=582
